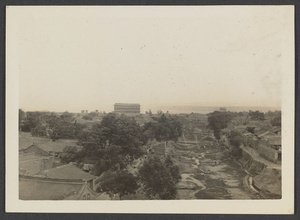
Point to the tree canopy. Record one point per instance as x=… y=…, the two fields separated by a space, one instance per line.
x=121 y=183
x=115 y=141
x=276 y=121
x=54 y=126
x=256 y=115
x=159 y=178
x=164 y=128
x=235 y=138
x=218 y=121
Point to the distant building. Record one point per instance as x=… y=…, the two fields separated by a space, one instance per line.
x=222 y=109
x=82 y=111
x=127 y=108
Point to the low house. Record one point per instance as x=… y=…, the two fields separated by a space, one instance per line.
x=274 y=141
x=69 y=172
x=43 y=188
x=31 y=164
x=269 y=153
x=276 y=130
x=264 y=134
x=33 y=149
x=269 y=144
x=30 y=143
x=34 y=159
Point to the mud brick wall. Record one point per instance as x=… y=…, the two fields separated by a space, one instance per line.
x=268 y=153
x=252 y=166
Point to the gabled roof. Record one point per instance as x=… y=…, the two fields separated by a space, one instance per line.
x=35 y=149
x=38 y=188
x=46 y=144
x=274 y=140
x=265 y=133
x=67 y=172
x=275 y=129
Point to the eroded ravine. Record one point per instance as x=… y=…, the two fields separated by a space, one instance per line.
x=210 y=173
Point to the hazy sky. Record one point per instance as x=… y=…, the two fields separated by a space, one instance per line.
x=73 y=58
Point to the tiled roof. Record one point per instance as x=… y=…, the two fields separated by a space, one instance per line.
x=104 y=196
x=276 y=129
x=68 y=171
x=36 y=188
x=274 y=140
x=262 y=134
x=46 y=144
x=35 y=149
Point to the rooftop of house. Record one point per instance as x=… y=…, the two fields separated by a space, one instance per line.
x=275 y=129
x=31 y=157
x=68 y=171
x=35 y=149
x=39 y=188
x=263 y=132
x=274 y=140
x=46 y=144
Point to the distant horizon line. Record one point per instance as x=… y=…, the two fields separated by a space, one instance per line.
x=172 y=109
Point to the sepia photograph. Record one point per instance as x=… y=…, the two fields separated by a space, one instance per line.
x=169 y=107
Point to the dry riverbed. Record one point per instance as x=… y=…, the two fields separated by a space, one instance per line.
x=211 y=173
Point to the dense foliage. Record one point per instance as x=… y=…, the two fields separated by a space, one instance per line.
x=256 y=115
x=54 y=126
x=218 y=121
x=164 y=128
x=235 y=138
x=159 y=178
x=121 y=183
x=70 y=154
x=276 y=121
x=114 y=130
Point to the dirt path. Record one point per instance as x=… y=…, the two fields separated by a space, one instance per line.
x=211 y=174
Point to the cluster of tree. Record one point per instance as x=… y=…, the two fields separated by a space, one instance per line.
x=90 y=116
x=50 y=125
x=272 y=114
x=114 y=130
x=29 y=120
x=256 y=115
x=217 y=121
x=118 y=140
x=276 y=121
x=120 y=182
x=164 y=128
x=157 y=178
x=236 y=139
x=115 y=142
